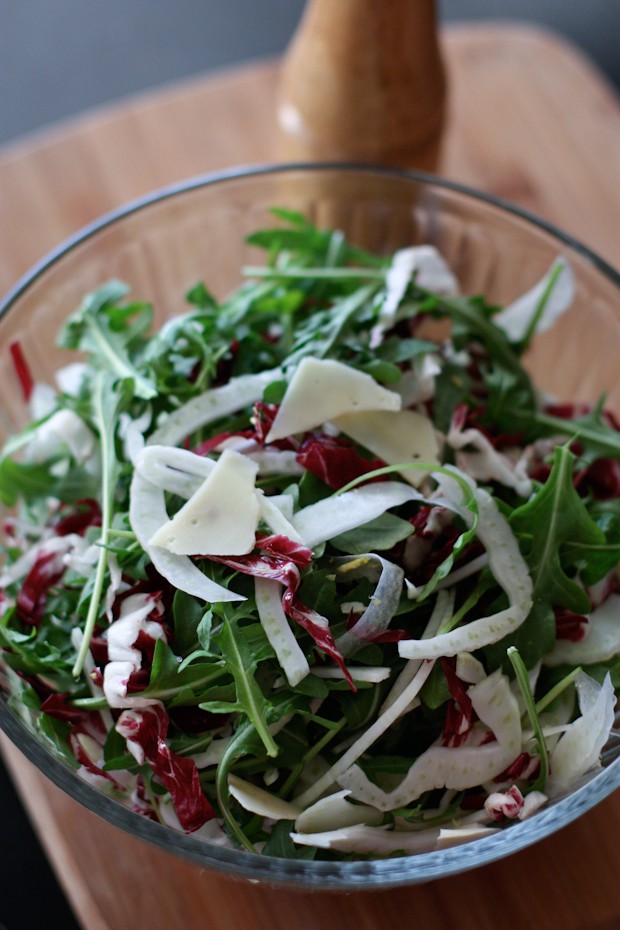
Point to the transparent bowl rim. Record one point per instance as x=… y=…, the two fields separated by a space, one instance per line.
x=342 y=876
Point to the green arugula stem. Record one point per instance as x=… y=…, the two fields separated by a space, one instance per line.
x=524 y=686
x=331 y=274
x=542 y=303
x=122 y=534
x=327 y=737
x=608 y=442
x=557 y=689
x=481 y=588
x=234 y=750
x=100 y=402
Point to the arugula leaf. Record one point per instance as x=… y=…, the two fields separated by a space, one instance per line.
x=553 y=519
x=382 y=533
x=241 y=662
x=31 y=482
x=99 y=326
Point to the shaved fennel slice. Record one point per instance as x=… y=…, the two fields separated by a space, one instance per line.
x=276 y=462
x=381 y=724
x=486 y=463
x=509 y=569
x=382 y=841
x=342 y=512
x=383 y=602
x=442 y=611
x=147 y=513
x=217 y=402
x=459 y=768
x=276 y=626
x=371 y=673
x=261 y=802
x=542 y=305
x=361 y=838
x=274 y=517
x=335 y=812
x=176 y=470
x=600 y=642
x=579 y=748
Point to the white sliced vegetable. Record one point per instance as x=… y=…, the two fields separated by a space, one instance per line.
x=455 y=836
x=383 y=602
x=278 y=631
x=274 y=517
x=322 y=389
x=63 y=429
x=432 y=273
x=176 y=470
x=261 y=802
x=469 y=668
x=553 y=294
x=218 y=402
x=360 y=838
x=147 y=513
x=487 y=464
x=115 y=680
x=374 y=674
x=221 y=517
x=600 y=642
x=338 y=514
x=397 y=437
x=461 y=767
x=381 y=724
x=442 y=611
x=124 y=656
x=579 y=748
x=418 y=385
x=335 y=812
x=276 y=462
x=122 y=634
x=509 y=569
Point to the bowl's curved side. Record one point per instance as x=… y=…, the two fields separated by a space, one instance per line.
x=165 y=242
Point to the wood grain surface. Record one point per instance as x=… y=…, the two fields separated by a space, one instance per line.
x=530 y=120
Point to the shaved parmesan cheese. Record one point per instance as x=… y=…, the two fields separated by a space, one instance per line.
x=221 y=517
x=147 y=514
x=397 y=437
x=322 y=389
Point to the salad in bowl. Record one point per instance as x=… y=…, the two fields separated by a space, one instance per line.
x=315 y=570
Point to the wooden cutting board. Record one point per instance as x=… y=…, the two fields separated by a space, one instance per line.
x=530 y=120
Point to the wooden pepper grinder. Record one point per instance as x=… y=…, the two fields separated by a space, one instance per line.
x=363 y=80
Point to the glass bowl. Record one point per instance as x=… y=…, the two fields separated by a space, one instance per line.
x=166 y=242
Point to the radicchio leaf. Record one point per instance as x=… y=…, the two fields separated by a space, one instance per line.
x=279 y=560
x=145 y=731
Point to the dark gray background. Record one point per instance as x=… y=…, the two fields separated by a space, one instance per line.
x=60 y=57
